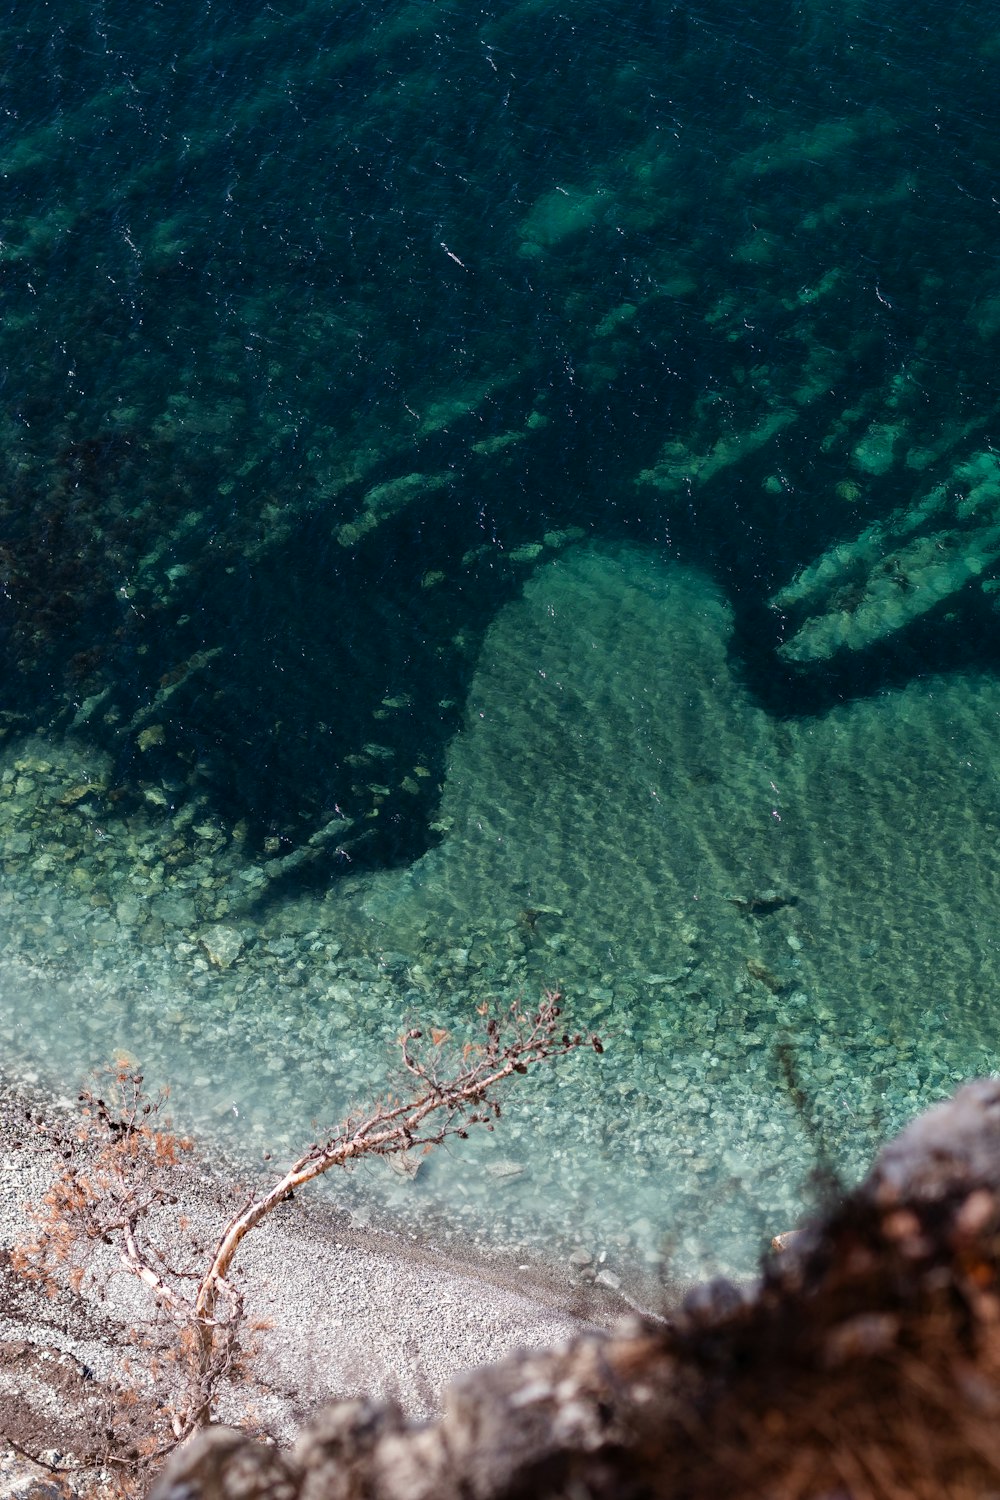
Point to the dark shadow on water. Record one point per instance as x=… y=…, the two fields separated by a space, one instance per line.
x=340 y=672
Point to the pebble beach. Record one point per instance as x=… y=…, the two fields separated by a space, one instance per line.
x=375 y=1312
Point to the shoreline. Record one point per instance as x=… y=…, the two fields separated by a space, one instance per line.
x=378 y=1310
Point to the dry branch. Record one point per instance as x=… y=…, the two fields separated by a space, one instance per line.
x=119 y=1179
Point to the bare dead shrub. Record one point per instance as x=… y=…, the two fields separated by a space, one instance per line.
x=119 y=1184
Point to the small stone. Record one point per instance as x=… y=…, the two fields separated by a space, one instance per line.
x=77 y=793
x=404 y=1164
x=608 y=1279
x=765 y=976
x=154 y=735
x=222 y=944
x=786 y=1240
x=505 y=1169
x=581 y=1258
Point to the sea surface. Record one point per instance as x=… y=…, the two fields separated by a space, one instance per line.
x=502 y=497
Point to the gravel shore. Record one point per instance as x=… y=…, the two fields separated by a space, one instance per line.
x=349 y=1310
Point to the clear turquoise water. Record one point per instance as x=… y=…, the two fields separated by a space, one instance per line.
x=486 y=499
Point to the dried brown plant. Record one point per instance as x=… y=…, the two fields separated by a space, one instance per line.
x=119 y=1184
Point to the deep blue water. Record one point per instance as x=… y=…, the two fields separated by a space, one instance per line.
x=331 y=334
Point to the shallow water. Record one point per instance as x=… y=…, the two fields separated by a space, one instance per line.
x=504 y=500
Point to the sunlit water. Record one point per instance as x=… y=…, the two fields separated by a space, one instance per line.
x=409 y=418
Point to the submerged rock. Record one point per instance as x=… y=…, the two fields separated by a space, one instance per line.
x=761 y=903
x=224 y=945
x=896 y=570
